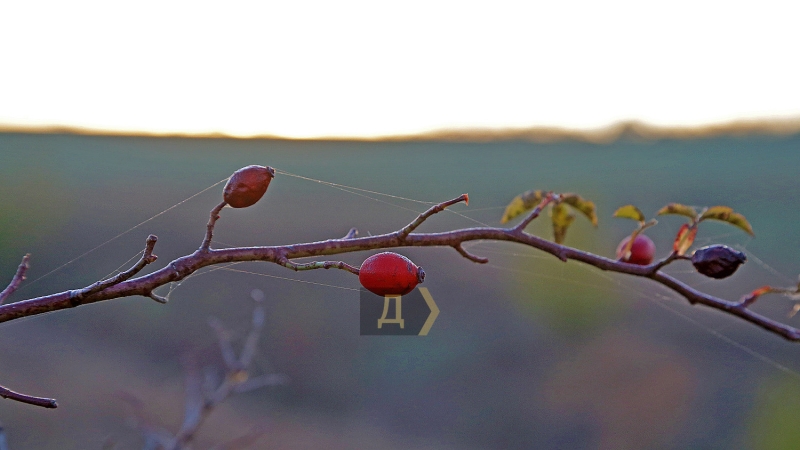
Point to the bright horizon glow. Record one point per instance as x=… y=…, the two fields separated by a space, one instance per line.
x=307 y=69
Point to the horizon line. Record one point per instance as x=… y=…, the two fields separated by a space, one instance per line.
x=627 y=129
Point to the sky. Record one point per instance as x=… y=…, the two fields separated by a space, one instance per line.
x=347 y=68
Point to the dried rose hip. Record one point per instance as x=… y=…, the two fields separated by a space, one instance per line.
x=717 y=261
x=247 y=185
x=642 y=250
x=388 y=273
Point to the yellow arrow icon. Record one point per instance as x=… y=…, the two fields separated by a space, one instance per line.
x=434 y=311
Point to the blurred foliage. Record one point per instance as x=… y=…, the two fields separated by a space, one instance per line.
x=775 y=415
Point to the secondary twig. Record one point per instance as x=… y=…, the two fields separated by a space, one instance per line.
x=460 y=249
x=16 y=280
x=147 y=258
x=406 y=230
x=212 y=220
x=29 y=399
x=550 y=197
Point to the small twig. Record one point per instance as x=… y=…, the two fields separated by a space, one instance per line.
x=3 y=441
x=655 y=267
x=225 y=347
x=406 y=230
x=29 y=399
x=147 y=258
x=470 y=256
x=157 y=298
x=318 y=265
x=351 y=234
x=16 y=280
x=251 y=343
x=550 y=197
x=212 y=220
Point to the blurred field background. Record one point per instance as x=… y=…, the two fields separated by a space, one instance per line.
x=528 y=352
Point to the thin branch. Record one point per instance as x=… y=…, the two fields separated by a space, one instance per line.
x=16 y=280
x=147 y=258
x=212 y=220
x=406 y=230
x=318 y=265
x=549 y=198
x=184 y=266
x=29 y=399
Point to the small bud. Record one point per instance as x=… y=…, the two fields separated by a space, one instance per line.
x=717 y=261
x=247 y=185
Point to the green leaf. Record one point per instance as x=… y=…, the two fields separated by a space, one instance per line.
x=726 y=214
x=562 y=219
x=677 y=208
x=581 y=204
x=629 y=212
x=522 y=203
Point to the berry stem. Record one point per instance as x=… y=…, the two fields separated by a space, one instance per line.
x=212 y=220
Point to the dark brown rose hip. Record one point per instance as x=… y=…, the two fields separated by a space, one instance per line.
x=717 y=261
x=247 y=185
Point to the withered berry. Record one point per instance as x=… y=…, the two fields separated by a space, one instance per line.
x=247 y=185
x=642 y=250
x=388 y=273
x=717 y=261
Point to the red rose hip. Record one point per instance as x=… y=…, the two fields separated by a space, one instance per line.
x=642 y=250
x=247 y=185
x=388 y=273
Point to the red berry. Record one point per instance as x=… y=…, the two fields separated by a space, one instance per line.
x=388 y=273
x=247 y=185
x=642 y=250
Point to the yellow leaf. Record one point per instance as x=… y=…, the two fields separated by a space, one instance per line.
x=738 y=220
x=717 y=212
x=677 y=208
x=522 y=203
x=726 y=214
x=581 y=204
x=629 y=212
x=562 y=219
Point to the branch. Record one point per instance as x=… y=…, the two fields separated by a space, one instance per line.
x=212 y=220
x=29 y=399
x=16 y=280
x=184 y=266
